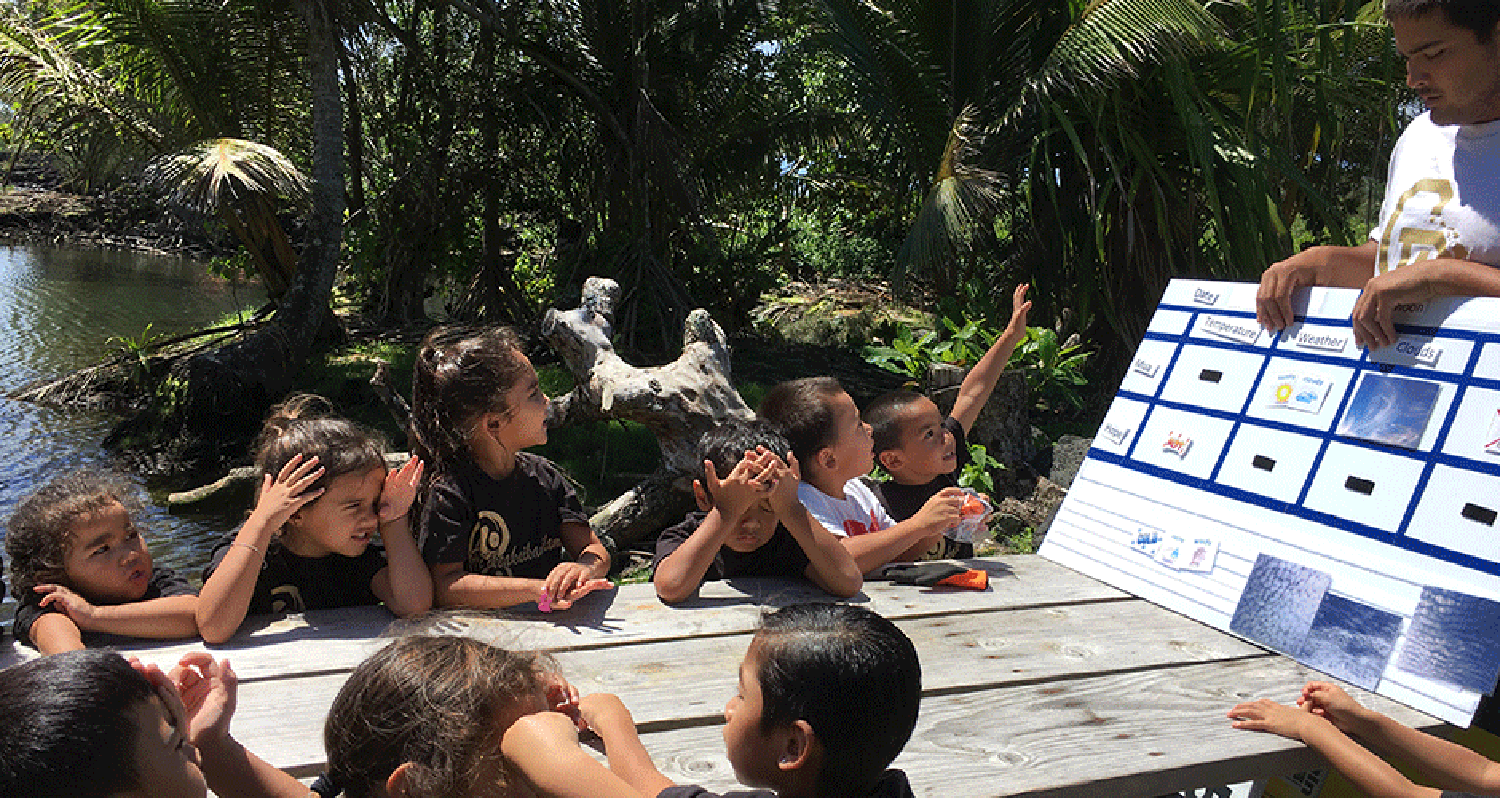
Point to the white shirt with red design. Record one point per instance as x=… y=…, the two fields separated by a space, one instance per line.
x=858 y=513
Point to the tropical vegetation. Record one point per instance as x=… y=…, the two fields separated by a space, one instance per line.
x=477 y=160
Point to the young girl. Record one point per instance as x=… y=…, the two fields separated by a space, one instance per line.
x=500 y=527
x=78 y=564
x=324 y=494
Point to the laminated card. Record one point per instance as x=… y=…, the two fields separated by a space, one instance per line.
x=1337 y=505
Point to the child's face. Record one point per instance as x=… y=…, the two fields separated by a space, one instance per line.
x=525 y=424
x=341 y=521
x=753 y=753
x=106 y=559
x=852 y=445
x=927 y=448
x=755 y=527
x=166 y=764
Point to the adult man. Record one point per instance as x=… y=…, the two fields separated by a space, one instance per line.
x=1439 y=232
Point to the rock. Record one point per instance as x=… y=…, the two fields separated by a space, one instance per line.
x=1067 y=457
x=1035 y=511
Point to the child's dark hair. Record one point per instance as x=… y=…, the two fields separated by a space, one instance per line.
x=461 y=373
x=304 y=425
x=1479 y=16
x=852 y=675
x=802 y=411
x=884 y=417
x=65 y=731
x=39 y=531
x=727 y=443
x=432 y=701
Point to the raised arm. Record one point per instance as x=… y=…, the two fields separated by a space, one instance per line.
x=405 y=584
x=679 y=574
x=980 y=382
x=226 y=594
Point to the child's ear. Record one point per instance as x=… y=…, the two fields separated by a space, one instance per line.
x=890 y=459
x=826 y=459
x=398 y=784
x=705 y=502
x=798 y=750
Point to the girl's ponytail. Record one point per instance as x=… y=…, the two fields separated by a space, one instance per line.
x=460 y=374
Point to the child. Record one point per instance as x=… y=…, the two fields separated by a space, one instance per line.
x=324 y=494
x=78 y=564
x=834 y=448
x=1326 y=719
x=923 y=450
x=83 y=724
x=750 y=523
x=499 y=527
x=828 y=696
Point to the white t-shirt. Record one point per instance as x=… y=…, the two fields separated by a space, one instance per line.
x=857 y=513
x=1442 y=196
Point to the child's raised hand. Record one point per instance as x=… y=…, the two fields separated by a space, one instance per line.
x=289 y=491
x=562 y=697
x=76 y=607
x=400 y=490
x=783 y=477
x=209 y=691
x=741 y=488
x=1268 y=716
x=601 y=711
x=1016 y=329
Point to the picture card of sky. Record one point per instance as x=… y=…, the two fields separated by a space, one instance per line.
x=1453 y=639
x=1281 y=599
x=1350 y=641
x=1389 y=410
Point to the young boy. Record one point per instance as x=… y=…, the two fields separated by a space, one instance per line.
x=1325 y=719
x=750 y=522
x=828 y=696
x=923 y=450
x=834 y=448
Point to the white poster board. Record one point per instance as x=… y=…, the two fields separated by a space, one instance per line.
x=1336 y=505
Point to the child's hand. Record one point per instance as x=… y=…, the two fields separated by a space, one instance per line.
x=1269 y=716
x=942 y=510
x=601 y=711
x=288 y=492
x=400 y=490
x=1016 y=329
x=568 y=583
x=745 y=484
x=784 y=476
x=1331 y=702
x=562 y=697
x=209 y=692
x=76 y=607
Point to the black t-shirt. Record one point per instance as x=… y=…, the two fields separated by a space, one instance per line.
x=892 y=784
x=291 y=583
x=903 y=501
x=505 y=527
x=164 y=582
x=781 y=555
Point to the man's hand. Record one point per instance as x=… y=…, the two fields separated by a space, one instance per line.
x=1372 y=312
x=1339 y=267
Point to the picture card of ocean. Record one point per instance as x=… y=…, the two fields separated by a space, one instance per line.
x=1389 y=410
x=1279 y=603
x=1350 y=641
x=1453 y=639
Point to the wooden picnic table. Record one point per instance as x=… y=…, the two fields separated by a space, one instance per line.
x=1048 y=683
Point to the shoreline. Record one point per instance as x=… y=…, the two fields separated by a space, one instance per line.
x=33 y=214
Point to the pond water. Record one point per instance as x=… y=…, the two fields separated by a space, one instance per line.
x=60 y=307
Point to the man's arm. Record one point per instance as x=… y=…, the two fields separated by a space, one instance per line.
x=1417 y=282
x=1338 y=267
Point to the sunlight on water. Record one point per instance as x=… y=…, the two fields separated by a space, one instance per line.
x=59 y=309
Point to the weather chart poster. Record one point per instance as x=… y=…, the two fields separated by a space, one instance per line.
x=1337 y=505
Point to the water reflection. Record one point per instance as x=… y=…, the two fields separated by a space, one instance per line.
x=59 y=309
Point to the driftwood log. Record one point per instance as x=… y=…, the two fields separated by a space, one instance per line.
x=677 y=402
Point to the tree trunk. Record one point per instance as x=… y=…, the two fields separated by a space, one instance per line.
x=678 y=402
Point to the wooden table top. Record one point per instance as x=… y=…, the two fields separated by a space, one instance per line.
x=1048 y=683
